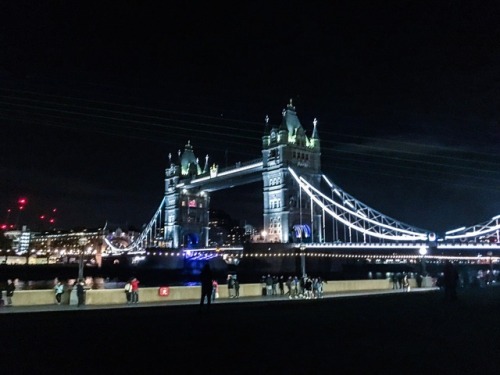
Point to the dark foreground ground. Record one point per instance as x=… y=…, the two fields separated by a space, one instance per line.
x=403 y=333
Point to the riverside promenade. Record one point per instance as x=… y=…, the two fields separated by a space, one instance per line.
x=386 y=332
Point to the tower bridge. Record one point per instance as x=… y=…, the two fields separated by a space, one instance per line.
x=300 y=204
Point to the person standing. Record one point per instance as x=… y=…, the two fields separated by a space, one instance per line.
x=215 y=290
x=135 y=290
x=406 y=283
x=206 y=285
x=230 y=286
x=281 y=284
x=59 y=290
x=128 y=291
x=394 y=281
x=10 y=291
x=236 y=287
x=289 y=286
x=80 y=292
x=269 y=285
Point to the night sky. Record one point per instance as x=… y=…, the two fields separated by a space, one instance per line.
x=94 y=97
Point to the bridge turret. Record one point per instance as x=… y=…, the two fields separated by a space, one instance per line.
x=186 y=209
x=288 y=146
x=189 y=163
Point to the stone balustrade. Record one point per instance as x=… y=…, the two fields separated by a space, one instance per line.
x=184 y=293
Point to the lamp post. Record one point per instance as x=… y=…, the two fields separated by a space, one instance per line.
x=423 y=252
x=82 y=242
x=490 y=276
x=303 y=260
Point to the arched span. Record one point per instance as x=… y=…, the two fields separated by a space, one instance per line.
x=358 y=216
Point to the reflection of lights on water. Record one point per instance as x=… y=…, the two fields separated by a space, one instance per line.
x=138 y=259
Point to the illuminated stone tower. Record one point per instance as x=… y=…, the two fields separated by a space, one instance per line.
x=186 y=211
x=288 y=216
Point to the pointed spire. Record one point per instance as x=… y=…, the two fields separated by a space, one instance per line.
x=266 y=127
x=206 y=164
x=283 y=121
x=315 y=131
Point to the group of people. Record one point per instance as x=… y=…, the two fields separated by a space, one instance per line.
x=78 y=286
x=132 y=291
x=400 y=281
x=304 y=287
x=210 y=286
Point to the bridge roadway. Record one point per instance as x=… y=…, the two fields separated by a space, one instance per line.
x=355 y=333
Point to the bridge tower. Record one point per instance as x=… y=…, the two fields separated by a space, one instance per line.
x=288 y=215
x=186 y=211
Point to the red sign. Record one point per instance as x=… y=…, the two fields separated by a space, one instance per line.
x=164 y=291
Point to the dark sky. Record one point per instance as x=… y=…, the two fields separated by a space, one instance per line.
x=95 y=96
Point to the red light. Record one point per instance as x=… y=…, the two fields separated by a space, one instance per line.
x=54 y=210
x=42 y=217
x=22 y=201
x=4 y=226
x=21 y=207
x=52 y=221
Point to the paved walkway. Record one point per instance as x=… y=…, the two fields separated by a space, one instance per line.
x=377 y=332
x=51 y=308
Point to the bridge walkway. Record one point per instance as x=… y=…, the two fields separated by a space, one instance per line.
x=223 y=300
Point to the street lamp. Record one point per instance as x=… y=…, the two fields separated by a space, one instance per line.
x=264 y=235
x=82 y=242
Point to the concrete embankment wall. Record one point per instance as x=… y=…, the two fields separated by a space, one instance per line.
x=180 y=293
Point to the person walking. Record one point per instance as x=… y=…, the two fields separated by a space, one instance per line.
x=80 y=292
x=59 y=290
x=206 y=285
x=135 y=290
x=10 y=291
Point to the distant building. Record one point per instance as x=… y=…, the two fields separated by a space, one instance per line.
x=225 y=231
